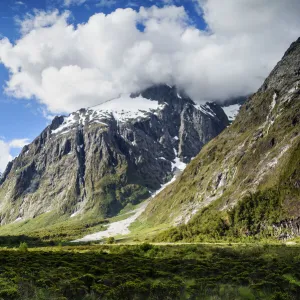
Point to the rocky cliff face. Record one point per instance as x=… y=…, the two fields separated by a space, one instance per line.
x=99 y=159
x=258 y=152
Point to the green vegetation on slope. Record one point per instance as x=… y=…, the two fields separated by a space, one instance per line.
x=54 y=228
x=255 y=213
x=252 y=217
x=63 y=229
x=243 y=158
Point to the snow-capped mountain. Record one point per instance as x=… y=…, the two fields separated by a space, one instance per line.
x=99 y=159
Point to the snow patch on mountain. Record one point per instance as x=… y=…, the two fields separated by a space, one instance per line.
x=177 y=164
x=232 y=111
x=125 y=108
x=120 y=109
x=273 y=101
x=206 y=110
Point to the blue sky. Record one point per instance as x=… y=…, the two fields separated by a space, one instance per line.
x=57 y=56
x=23 y=118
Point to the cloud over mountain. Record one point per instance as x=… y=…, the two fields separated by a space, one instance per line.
x=68 y=66
x=5 y=156
x=5 y=148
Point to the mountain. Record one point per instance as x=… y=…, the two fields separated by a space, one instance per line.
x=246 y=181
x=98 y=160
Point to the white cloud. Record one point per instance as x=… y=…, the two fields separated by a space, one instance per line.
x=6 y=147
x=18 y=143
x=5 y=156
x=40 y=19
x=67 y=67
x=69 y=3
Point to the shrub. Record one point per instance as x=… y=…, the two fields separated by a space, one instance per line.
x=111 y=240
x=23 y=247
x=146 y=247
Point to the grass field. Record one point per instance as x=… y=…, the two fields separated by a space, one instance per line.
x=146 y=271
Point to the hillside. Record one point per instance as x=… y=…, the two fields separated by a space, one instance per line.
x=247 y=180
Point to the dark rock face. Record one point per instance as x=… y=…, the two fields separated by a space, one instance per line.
x=97 y=160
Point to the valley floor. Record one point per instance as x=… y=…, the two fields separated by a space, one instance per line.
x=147 y=271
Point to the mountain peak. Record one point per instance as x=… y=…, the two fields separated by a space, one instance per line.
x=165 y=93
x=133 y=108
x=286 y=73
x=295 y=46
